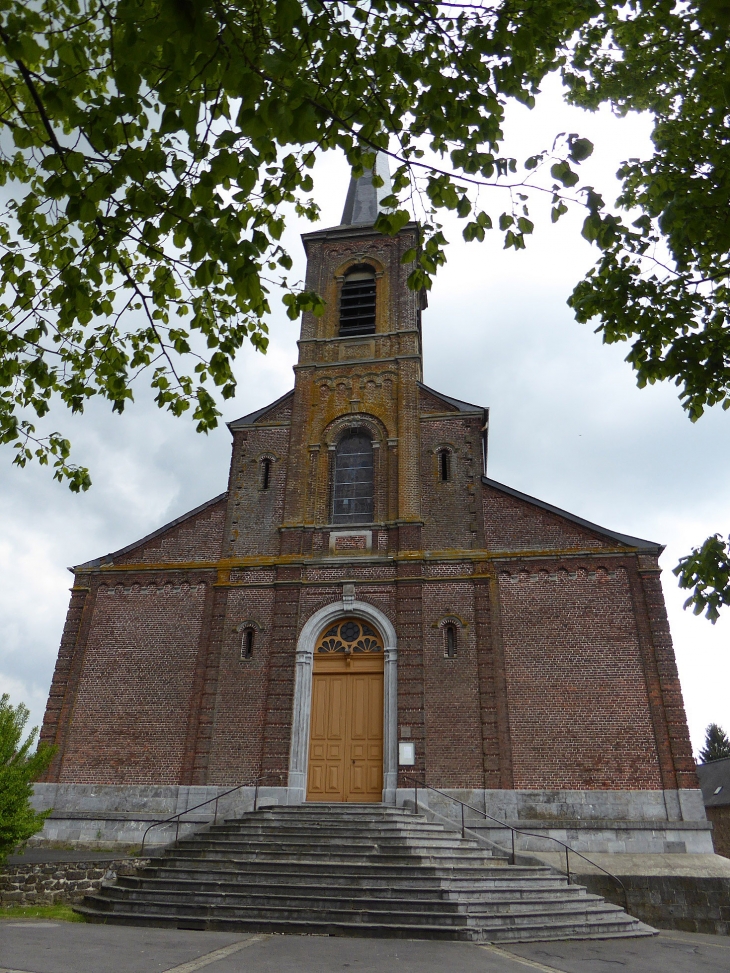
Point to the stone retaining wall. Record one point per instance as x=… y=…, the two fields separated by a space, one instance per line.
x=690 y=904
x=46 y=883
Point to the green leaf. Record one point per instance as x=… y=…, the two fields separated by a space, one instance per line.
x=580 y=149
x=564 y=174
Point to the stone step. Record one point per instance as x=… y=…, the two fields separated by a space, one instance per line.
x=537 y=932
x=287 y=825
x=279 y=896
x=307 y=856
x=345 y=812
x=348 y=850
x=333 y=852
x=302 y=928
x=334 y=913
x=352 y=870
x=337 y=872
x=499 y=893
x=413 y=880
x=325 y=840
x=443 y=913
x=335 y=807
x=502 y=904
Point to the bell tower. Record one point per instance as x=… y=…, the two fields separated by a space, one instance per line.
x=354 y=449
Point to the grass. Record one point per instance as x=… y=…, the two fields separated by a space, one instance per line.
x=60 y=911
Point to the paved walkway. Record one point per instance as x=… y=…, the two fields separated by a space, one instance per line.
x=35 y=946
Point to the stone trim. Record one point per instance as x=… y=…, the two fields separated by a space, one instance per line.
x=302 y=710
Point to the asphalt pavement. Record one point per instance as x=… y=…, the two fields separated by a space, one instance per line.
x=39 y=946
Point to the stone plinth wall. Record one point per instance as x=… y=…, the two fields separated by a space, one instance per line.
x=85 y=816
x=605 y=822
x=670 y=901
x=49 y=882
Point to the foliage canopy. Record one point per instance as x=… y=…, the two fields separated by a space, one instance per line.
x=149 y=149
x=20 y=765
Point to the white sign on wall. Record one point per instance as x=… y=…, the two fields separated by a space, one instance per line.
x=406 y=753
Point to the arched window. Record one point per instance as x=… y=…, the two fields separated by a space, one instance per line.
x=247 y=644
x=444 y=458
x=357 y=302
x=353 y=479
x=265 y=473
x=450 y=641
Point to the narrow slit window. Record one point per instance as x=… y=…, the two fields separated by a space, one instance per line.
x=450 y=635
x=357 y=302
x=265 y=473
x=353 y=480
x=444 y=465
x=247 y=646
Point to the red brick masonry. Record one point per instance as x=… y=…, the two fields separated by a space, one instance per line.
x=563 y=677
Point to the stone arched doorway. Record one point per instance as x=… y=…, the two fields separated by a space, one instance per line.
x=345 y=678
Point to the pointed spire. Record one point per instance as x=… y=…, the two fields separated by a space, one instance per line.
x=363 y=199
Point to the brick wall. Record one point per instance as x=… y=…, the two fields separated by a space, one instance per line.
x=547 y=690
x=240 y=705
x=449 y=507
x=67 y=673
x=197 y=538
x=131 y=709
x=255 y=513
x=578 y=707
x=280 y=684
x=511 y=524
x=454 y=755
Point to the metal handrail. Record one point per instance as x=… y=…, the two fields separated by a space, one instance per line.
x=176 y=817
x=529 y=834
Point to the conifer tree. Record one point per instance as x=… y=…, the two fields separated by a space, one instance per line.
x=716 y=745
x=20 y=765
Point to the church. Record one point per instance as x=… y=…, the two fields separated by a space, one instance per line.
x=364 y=607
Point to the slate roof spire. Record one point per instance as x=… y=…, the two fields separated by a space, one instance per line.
x=363 y=199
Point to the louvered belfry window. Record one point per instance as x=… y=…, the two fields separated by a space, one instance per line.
x=353 y=480
x=357 y=302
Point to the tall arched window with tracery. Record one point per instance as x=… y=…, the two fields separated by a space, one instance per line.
x=352 y=493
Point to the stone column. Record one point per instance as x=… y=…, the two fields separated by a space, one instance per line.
x=390 y=735
x=300 y=729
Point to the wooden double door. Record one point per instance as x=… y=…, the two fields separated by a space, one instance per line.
x=346 y=733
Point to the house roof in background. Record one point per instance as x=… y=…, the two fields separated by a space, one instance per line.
x=715 y=777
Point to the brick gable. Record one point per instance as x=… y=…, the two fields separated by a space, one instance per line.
x=512 y=524
x=429 y=402
x=197 y=536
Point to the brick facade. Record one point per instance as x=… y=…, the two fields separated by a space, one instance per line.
x=563 y=676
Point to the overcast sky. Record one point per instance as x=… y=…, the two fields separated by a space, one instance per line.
x=568 y=425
